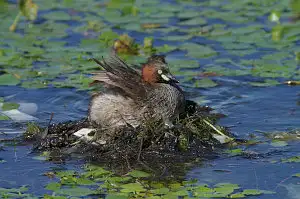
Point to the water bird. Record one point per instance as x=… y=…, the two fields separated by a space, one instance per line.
x=135 y=97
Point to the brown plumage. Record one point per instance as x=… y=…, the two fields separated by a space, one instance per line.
x=132 y=97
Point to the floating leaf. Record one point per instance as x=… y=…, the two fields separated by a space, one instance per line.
x=46 y=196
x=138 y=174
x=205 y=83
x=95 y=171
x=267 y=82
x=77 y=191
x=65 y=173
x=182 y=64
x=10 y=106
x=235 y=151
x=163 y=15
x=251 y=192
x=132 y=188
x=8 y=80
x=35 y=84
x=4 y=117
x=295 y=6
x=237 y=195
x=188 y=14
x=220 y=70
x=279 y=143
x=198 y=51
x=119 y=179
x=294 y=159
x=108 y=37
x=57 y=15
x=175 y=186
x=150 y=25
x=165 y=48
x=115 y=196
x=193 y=21
x=160 y=191
x=54 y=186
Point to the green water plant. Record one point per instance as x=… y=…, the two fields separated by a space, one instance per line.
x=140 y=184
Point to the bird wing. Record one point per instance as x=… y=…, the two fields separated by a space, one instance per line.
x=118 y=74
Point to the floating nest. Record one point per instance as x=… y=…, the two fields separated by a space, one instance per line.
x=193 y=136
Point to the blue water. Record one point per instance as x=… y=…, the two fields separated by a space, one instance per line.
x=248 y=110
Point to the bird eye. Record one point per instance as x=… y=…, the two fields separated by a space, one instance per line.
x=159 y=72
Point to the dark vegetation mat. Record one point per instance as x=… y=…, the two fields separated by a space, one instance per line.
x=153 y=147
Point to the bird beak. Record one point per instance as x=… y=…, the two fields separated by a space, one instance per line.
x=169 y=78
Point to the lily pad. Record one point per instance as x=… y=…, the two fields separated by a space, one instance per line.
x=251 y=192
x=234 y=152
x=295 y=159
x=198 y=51
x=178 y=38
x=278 y=143
x=165 y=48
x=132 y=188
x=9 y=80
x=138 y=174
x=267 y=82
x=9 y=106
x=54 y=186
x=77 y=191
x=194 y=21
x=4 y=117
x=188 y=14
x=58 y=15
x=115 y=196
x=205 y=83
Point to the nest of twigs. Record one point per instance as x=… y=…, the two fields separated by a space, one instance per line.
x=192 y=136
